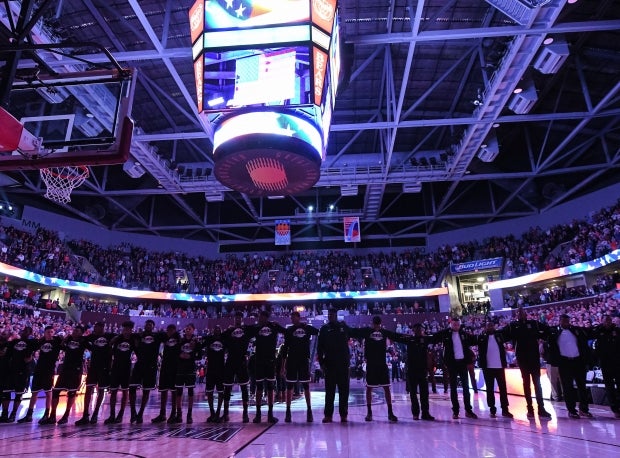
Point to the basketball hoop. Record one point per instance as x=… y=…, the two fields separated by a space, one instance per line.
x=60 y=181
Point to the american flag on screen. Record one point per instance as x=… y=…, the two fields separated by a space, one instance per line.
x=221 y=14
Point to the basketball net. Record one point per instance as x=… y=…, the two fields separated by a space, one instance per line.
x=60 y=181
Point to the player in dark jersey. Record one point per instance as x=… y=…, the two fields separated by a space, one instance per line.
x=296 y=355
x=189 y=351
x=266 y=334
x=236 y=340
x=167 y=373
x=98 y=371
x=123 y=345
x=377 y=375
x=43 y=380
x=21 y=353
x=144 y=373
x=70 y=376
x=215 y=351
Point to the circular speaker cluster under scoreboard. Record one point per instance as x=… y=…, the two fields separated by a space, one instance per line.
x=266 y=153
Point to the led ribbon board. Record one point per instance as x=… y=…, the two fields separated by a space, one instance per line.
x=267 y=153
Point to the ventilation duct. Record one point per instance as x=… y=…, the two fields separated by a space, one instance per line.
x=523 y=101
x=551 y=57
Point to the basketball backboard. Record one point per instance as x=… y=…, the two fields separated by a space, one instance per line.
x=67 y=119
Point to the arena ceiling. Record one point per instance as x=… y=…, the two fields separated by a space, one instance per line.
x=428 y=134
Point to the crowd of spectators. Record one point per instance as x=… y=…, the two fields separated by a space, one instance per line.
x=133 y=267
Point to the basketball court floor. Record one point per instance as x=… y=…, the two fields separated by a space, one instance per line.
x=445 y=437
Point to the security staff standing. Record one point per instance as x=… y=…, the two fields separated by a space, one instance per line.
x=334 y=358
x=417 y=368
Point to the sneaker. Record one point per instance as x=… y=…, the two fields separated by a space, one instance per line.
x=530 y=413
x=257 y=419
x=573 y=414
x=212 y=418
x=393 y=418
x=327 y=420
x=542 y=413
x=82 y=421
x=189 y=420
x=287 y=417
x=139 y=420
x=583 y=413
x=470 y=414
x=493 y=415
x=507 y=414
x=63 y=421
x=109 y=421
x=26 y=419
x=493 y=411
x=455 y=416
x=158 y=419
x=309 y=417
x=368 y=417
x=427 y=417
x=416 y=416
x=271 y=419
x=12 y=417
x=47 y=421
x=225 y=418
x=94 y=420
x=175 y=420
x=246 y=418
x=344 y=419
x=132 y=418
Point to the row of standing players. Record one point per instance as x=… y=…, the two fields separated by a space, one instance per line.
x=226 y=352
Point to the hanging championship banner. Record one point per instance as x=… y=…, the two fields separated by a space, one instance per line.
x=352 y=229
x=283 y=232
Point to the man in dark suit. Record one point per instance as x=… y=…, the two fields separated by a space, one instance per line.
x=417 y=369
x=571 y=344
x=525 y=334
x=492 y=359
x=456 y=344
x=607 y=349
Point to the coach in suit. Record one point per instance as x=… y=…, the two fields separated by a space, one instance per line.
x=456 y=343
x=492 y=359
